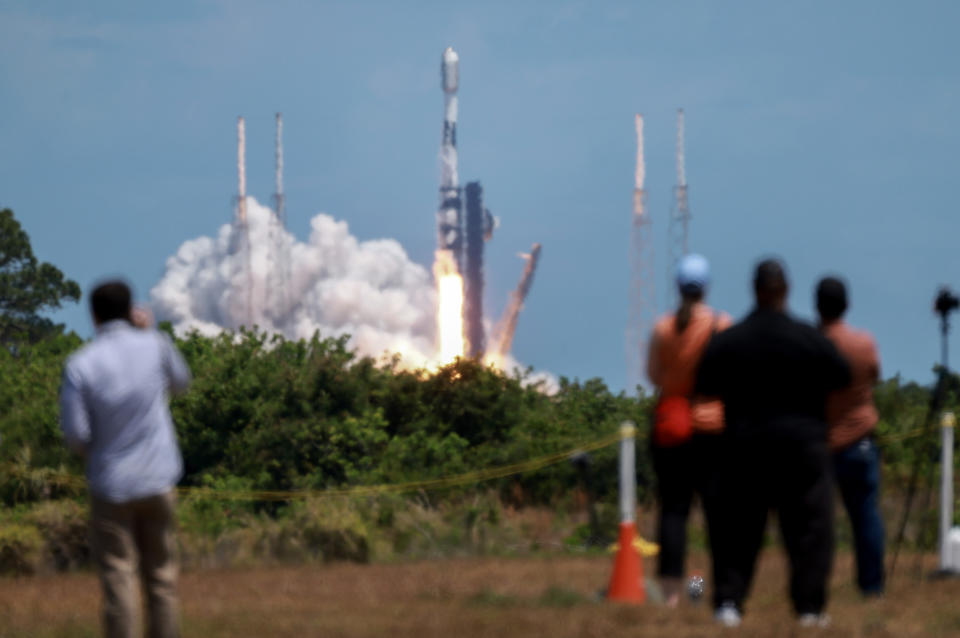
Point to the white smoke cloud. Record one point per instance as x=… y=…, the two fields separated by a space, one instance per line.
x=333 y=283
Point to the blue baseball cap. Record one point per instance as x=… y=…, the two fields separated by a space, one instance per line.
x=693 y=274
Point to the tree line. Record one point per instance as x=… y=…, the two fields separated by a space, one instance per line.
x=267 y=413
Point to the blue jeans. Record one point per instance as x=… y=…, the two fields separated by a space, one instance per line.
x=857 y=471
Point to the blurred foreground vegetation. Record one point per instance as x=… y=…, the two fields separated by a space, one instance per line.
x=265 y=413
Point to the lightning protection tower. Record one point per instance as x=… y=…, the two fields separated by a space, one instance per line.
x=680 y=212
x=642 y=292
x=243 y=310
x=281 y=274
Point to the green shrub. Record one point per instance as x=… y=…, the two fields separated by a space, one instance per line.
x=21 y=549
x=266 y=414
x=64 y=526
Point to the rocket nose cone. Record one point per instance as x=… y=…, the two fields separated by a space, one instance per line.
x=449 y=70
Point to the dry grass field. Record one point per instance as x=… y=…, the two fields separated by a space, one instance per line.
x=468 y=598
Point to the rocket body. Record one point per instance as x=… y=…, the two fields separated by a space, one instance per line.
x=449 y=215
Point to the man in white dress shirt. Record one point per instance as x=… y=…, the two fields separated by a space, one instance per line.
x=114 y=411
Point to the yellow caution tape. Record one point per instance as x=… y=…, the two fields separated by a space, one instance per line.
x=468 y=478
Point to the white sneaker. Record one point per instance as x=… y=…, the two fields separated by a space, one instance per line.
x=727 y=615
x=820 y=620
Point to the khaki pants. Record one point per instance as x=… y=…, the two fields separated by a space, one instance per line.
x=131 y=539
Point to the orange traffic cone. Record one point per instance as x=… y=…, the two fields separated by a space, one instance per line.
x=626 y=582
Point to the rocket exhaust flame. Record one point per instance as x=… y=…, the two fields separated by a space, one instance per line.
x=449 y=307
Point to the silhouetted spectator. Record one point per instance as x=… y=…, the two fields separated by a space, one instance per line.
x=773 y=374
x=688 y=465
x=113 y=411
x=852 y=417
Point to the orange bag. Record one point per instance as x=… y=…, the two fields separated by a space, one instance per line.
x=672 y=421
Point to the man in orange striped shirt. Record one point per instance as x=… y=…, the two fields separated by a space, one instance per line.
x=852 y=418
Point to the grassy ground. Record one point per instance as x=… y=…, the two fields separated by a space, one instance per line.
x=468 y=598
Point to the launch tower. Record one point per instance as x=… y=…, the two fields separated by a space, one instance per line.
x=281 y=271
x=279 y=202
x=243 y=299
x=479 y=228
x=642 y=293
x=680 y=213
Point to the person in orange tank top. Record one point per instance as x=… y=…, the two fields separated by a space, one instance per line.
x=687 y=468
x=852 y=418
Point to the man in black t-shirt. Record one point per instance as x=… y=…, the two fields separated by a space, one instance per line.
x=773 y=374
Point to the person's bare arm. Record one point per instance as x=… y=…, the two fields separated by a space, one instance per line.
x=654 y=372
x=874 y=360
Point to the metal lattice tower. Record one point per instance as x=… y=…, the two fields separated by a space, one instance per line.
x=680 y=211
x=281 y=266
x=244 y=306
x=279 y=203
x=642 y=290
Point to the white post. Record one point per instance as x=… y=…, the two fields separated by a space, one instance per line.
x=947 y=423
x=628 y=472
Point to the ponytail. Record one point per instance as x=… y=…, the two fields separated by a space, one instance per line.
x=685 y=312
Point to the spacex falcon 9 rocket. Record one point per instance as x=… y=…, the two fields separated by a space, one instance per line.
x=449 y=218
x=446 y=266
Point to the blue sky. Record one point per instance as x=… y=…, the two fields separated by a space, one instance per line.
x=824 y=132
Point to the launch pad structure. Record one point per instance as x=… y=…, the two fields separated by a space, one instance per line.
x=679 y=225
x=281 y=275
x=240 y=219
x=642 y=292
x=479 y=229
x=278 y=279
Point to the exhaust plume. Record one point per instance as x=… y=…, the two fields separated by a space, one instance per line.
x=507 y=326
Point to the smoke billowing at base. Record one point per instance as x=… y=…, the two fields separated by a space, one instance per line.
x=336 y=284
x=333 y=284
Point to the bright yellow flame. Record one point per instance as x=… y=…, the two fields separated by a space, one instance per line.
x=449 y=307
x=494 y=359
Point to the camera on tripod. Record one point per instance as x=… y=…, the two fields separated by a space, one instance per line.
x=946 y=302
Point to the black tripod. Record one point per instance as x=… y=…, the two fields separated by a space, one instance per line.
x=945 y=303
